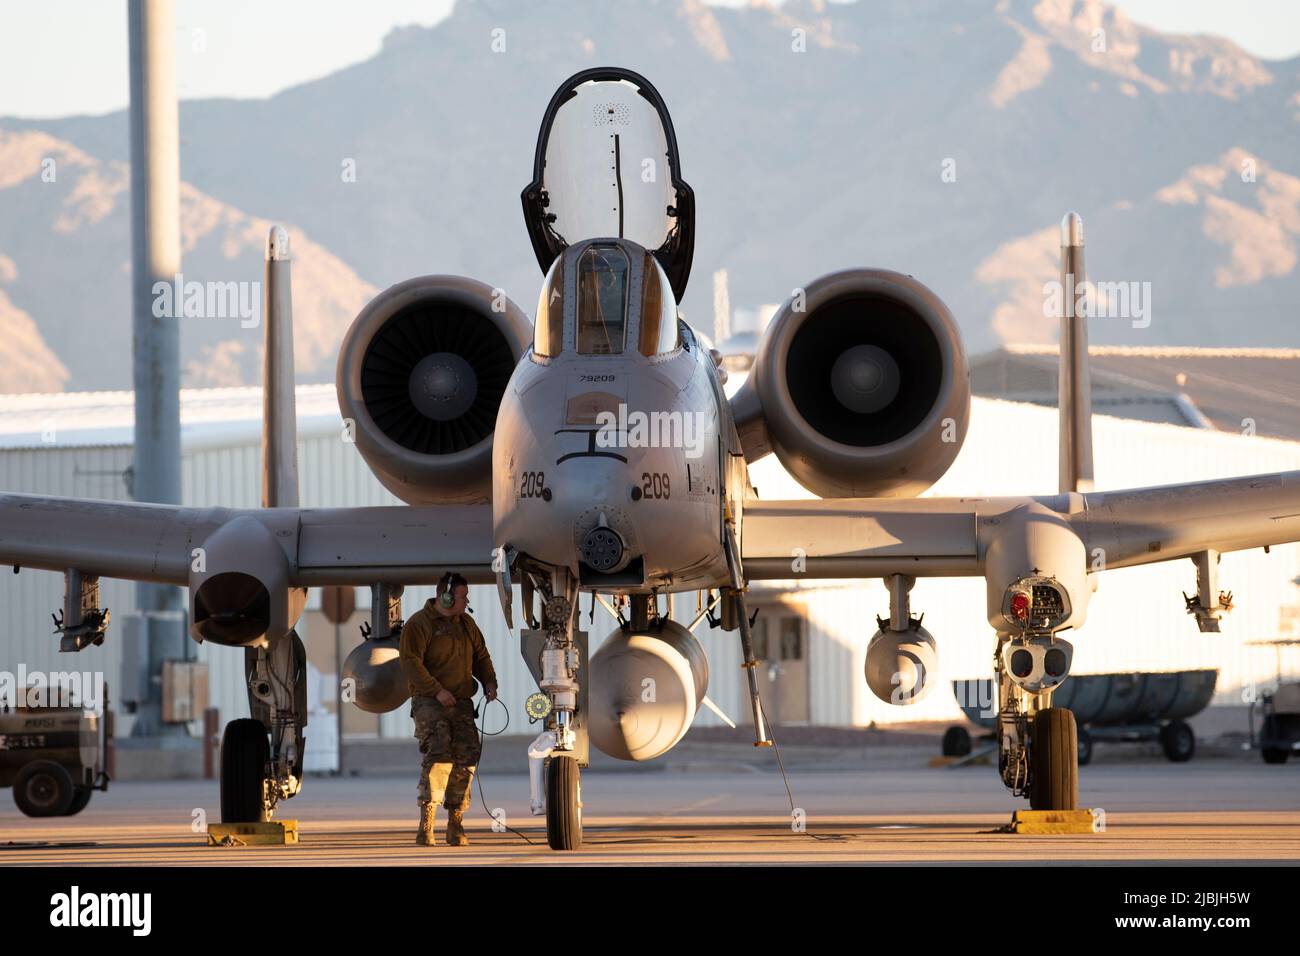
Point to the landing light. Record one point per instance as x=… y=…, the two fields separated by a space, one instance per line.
x=1037 y=603
x=537 y=706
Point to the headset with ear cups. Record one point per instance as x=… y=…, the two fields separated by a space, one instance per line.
x=446 y=597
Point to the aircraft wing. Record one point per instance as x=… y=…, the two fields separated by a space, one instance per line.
x=324 y=546
x=1145 y=525
x=860 y=537
x=873 y=537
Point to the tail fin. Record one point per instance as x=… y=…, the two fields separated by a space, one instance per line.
x=279 y=414
x=1074 y=398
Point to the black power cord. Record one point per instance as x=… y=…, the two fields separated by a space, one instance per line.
x=483 y=735
x=786 y=780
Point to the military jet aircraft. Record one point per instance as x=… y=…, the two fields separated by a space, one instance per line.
x=594 y=451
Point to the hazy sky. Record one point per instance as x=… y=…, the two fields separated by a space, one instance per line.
x=253 y=48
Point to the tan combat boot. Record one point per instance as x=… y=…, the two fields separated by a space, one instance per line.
x=425 y=836
x=456 y=829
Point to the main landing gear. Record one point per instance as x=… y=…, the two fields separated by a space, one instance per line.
x=1038 y=753
x=1054 y=761
x=262 y=755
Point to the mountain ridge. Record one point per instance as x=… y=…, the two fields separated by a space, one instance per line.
x=802 y=162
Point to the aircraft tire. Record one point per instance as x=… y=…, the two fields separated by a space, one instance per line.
x=1272 y=733
x=1054 y=761
x=956 y=742
x=43 y=788
x=563 y=804
x=80 y=797
x=245 y=750
x=1178 y=741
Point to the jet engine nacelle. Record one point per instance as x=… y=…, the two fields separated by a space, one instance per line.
x=900 y=664
x=645 y=687
x=239 y=587
x=860 y=387
x=421 y=374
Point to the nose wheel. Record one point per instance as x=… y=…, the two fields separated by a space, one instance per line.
x=1054 y=761
x=563 y=804
x=556 y=654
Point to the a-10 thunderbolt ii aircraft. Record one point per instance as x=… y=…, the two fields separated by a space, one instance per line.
x=593 y=450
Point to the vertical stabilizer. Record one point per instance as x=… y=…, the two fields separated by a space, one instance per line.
x=1074 y=398
x=279 y=414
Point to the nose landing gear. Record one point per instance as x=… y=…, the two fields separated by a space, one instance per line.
x=555 y=654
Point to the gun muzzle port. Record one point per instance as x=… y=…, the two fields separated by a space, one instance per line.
x=602 y=549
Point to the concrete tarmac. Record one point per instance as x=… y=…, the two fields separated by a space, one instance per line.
x=1212 y=811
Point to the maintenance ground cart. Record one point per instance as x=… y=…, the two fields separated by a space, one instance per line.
x=1279 y=732
x=53 y=757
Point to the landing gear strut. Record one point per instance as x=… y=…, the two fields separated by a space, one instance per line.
x=1037 y=743
x=554 y=654
x=262 y=755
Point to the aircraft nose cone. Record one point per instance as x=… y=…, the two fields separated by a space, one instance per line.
x=443 y=386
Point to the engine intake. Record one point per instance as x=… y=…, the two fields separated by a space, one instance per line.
x=421 y=375
x=860 y=387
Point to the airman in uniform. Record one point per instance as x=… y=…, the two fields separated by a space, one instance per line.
x=442 y=653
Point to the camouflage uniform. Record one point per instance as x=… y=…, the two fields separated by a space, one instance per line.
x=447 y=736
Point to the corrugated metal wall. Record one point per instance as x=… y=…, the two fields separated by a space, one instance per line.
x=1135 y=621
